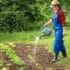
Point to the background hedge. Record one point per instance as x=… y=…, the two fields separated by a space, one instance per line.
x=24 y=15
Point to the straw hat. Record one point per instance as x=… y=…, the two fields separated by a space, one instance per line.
x=54 y=2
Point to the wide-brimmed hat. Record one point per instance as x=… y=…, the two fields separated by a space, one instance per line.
x=54 y=3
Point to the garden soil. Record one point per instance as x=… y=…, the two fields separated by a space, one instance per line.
x=40 y=61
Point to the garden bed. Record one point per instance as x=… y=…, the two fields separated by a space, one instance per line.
x=40 y=61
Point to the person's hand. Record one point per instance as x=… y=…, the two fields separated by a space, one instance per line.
x=45 y=25
x=64 y=31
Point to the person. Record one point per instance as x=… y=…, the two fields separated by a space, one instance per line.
x=58 y=20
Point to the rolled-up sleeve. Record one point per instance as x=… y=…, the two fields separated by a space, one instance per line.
x=61 y=18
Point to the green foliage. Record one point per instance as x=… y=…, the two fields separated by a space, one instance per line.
x=11 y=54
x=22 y=15
x=65 y=4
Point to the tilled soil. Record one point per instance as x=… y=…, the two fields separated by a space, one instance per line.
x=40 y=61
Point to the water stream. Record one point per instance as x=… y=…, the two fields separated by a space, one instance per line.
x=35 y=46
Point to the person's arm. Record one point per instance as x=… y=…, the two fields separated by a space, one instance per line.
x=64 y=25
x=62 y=20
x=48 y=23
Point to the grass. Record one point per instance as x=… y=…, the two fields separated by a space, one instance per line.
x=29 y=37
x=17 y=36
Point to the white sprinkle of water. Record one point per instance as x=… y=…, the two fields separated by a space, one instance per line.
x=35 y=46
x=4 y=68
x=37 y=40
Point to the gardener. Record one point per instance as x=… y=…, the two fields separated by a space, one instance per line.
x=58 y=20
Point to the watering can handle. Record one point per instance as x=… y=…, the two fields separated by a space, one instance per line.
x=43 y=27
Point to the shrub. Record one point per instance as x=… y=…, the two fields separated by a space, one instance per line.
x=24 y=15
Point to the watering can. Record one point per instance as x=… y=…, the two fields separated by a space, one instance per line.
x=46 y=31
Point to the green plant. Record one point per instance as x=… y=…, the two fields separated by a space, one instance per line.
x=11 y=54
